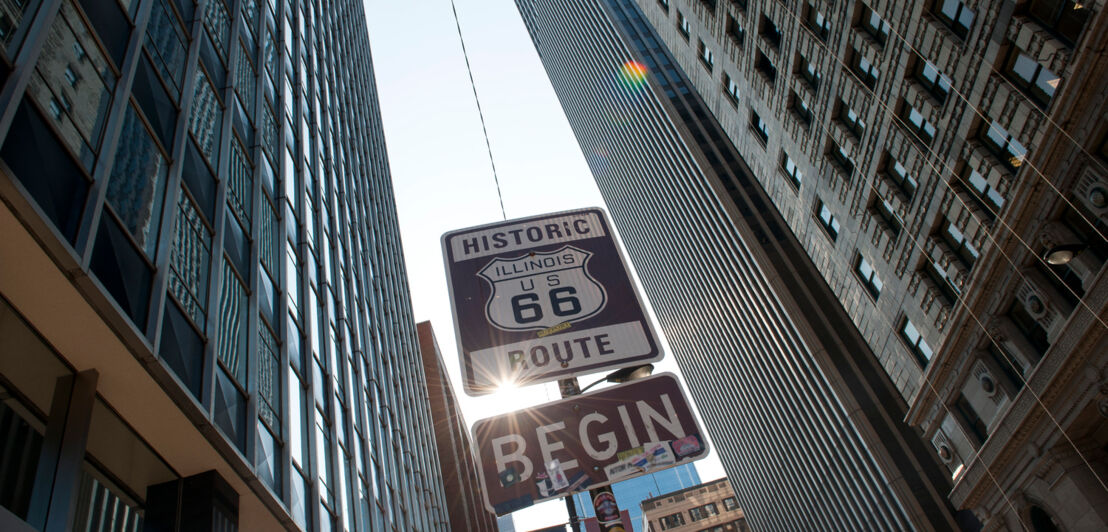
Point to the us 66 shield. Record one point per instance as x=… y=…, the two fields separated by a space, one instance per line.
x=543 y=298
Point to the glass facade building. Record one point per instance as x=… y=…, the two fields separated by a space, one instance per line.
x=200 y=240
x=798 y=406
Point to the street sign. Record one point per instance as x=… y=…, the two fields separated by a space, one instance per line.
x=543 y=298
x=586 y=441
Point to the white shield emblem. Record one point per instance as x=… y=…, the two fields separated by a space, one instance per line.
x=540 y=290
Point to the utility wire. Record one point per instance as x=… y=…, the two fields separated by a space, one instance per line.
x=480 y=113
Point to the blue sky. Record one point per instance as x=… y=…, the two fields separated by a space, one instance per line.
x=440 y=165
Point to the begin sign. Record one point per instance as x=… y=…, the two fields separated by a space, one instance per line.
x=543 y=298
x=585 y=441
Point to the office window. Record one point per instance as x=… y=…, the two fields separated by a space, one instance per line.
x=899 y=176
x=188 y=262
x=866 y=72
x=840 y=158
x=710 y=4
x=959 y=244
x=70 y=43
x=769 y=32
x=865 y=273
x=941 y=280
x=758 y=126
x=672 y=520
x=1000 y=142
x=851 y=120
x=932 y=79
x=735 y=30
x=816 y=22
x=807 y=72
x=874 y=25
x=915 y=342
x=683 y=26
x=166 y=45
x=985 y=191
x=914 y=121
x=206 y=118
x=827 y=220
x=703 y=512
x=1064 y=18
x=707 y=58
x=136 y=187
x=789 y=166
x=664 y=4
x=1032 y=77
x=731 y=89
x=741 y=4
x=765 y=66
x=730 y=504
x=888 y=216
x=800 y=108
x=955 y=15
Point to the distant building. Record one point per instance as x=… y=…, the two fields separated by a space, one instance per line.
x=708 y=507
x=461 y=484
x=631 y=493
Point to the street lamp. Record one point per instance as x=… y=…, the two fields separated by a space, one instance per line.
x=624 y=375
x=1063 y=254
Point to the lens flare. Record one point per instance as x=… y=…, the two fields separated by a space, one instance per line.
x=632 y=74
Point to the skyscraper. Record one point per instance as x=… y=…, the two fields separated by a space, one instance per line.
x=793 y=396
x=631 y=493
x=204 y=306
x=917 y=187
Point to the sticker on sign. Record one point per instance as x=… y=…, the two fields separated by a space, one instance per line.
x=586 y=441
x=543 y=298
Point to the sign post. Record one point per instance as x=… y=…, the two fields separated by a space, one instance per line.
x=543 y=298
x=585 y=442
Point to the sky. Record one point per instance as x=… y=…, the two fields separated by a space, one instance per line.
x=440 y=164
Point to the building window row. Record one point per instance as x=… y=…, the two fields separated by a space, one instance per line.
x=703 y=512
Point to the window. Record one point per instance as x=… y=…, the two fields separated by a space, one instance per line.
x=874 y=25
x=789 y=166
x=730 y=504
x=915 y=342
x=817 y=23
x=71 y=76
x=703 y=512
x=136 y=186
x=866 y=72
x=898 y=175
x=800 y=108
x=959 y=245
x=766 y=67
x=741 y=4
x=934 y=81
x=707 y=58
x=683 y=25
x=1031 y=77
x=840 y=158
x=731 y=89
x=770 y=32
x=887 y=216
x=985 y=191
x=865 y=272
x=1064 y=18
x=664 y=5
x=735 y=30
x=941 y=281
x=955 y=15
x=672 y=520
x=1001 y=143
x=710 y=4
x=851 y=120
x=917 y=124
x=758 y=126
x=807 y=72
x=827 y=220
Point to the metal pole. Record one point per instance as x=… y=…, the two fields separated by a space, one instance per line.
x=604 y=503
